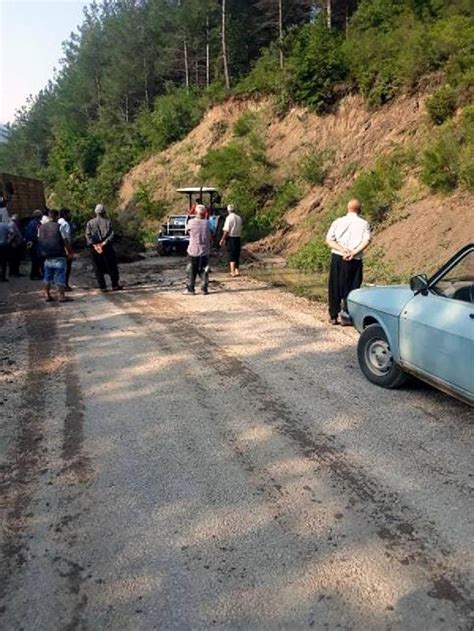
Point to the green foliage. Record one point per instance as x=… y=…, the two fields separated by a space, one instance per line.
x=266 y=77
x=391 y=44
x=313 y=166
x=316 y=62
x=245 y=124
x=441 y=105
x=173 y=116
x=378 y=270
x=377 y=188
x=146 y=205
x=269 y=218
x=447 y=161
x=241 y=170
x=312 y=257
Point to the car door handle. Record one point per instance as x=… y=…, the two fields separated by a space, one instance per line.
x=471 y=315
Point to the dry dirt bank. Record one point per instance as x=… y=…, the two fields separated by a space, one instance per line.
x=220 y=462
x=424 y=227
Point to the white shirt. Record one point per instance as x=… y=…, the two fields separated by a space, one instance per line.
x=349 y=232
x=233 y=225
x=64 y=229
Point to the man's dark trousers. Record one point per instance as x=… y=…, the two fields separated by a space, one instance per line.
x=105 y=263
x=198 y=266
x=344 y=276
x=37 y=262
x=4 y=256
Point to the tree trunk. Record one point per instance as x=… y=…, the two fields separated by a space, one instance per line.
x=186 y=64
x=98 y=90
x=208 y=54
x=280 y=30
x=127 y=108
x=224 y=46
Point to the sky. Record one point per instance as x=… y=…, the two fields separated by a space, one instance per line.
x=31 y=33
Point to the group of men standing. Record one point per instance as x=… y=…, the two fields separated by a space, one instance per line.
x=48 y=238
x=49 y=241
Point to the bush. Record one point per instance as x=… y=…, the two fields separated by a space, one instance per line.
x=313 y=257
x=265 y=77
x=146 y=205
x=441 y=105
x=466 y=167
x=242 y=171
x=391 y=45
x=448 y=161
x=315 y=64
x=173 y=116
x=313 y=166
x=377 y=188
x=245 y=124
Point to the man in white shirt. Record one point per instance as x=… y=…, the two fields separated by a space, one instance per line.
x=347 y=237
x=231 y=236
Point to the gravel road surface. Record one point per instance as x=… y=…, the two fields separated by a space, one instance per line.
x=176 y=462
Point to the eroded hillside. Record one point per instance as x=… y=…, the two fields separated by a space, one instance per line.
x=421 y=228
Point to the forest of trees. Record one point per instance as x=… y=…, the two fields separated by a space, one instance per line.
x=139 y=74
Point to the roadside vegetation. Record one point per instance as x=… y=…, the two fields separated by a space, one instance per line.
x=138 y=77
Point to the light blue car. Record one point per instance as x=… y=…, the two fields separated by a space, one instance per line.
x=425 y=329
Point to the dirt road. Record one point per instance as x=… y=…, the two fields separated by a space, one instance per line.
x=174 y=462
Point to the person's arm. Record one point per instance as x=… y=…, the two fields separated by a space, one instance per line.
x=109 y=237
x=332 y=243
x=366 y=239
x=89 y=238
x=225 y=231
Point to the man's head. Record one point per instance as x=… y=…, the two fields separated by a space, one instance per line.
x=64 y=213
x=15 y=218
x=100 y=210
x=231 y=208
x=3 y=203
x=37 y=214
x=53 y=215
x=201 y=211
x=354 y=206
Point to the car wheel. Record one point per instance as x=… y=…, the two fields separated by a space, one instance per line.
x=376 y=359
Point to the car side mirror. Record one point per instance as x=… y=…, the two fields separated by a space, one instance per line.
x=419 y=283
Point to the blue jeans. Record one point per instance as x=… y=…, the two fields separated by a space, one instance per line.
x=55 y=272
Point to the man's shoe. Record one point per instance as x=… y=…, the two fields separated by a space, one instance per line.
x=117 y=288
x=103 y=289
x=333 y=321
x=188 y=292
x=68 y=288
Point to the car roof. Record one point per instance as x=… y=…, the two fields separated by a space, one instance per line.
x=197 y=189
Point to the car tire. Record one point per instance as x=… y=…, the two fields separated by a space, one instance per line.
x=376 y=359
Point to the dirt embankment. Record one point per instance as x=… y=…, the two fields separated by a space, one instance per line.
x=424 y=228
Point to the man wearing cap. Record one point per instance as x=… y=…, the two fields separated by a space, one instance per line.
x=198 y=250
x=31 y=237
x=99 y=238
x=231 y=236
x=347 y=237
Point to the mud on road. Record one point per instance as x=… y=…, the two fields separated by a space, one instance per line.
x=220 y=462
